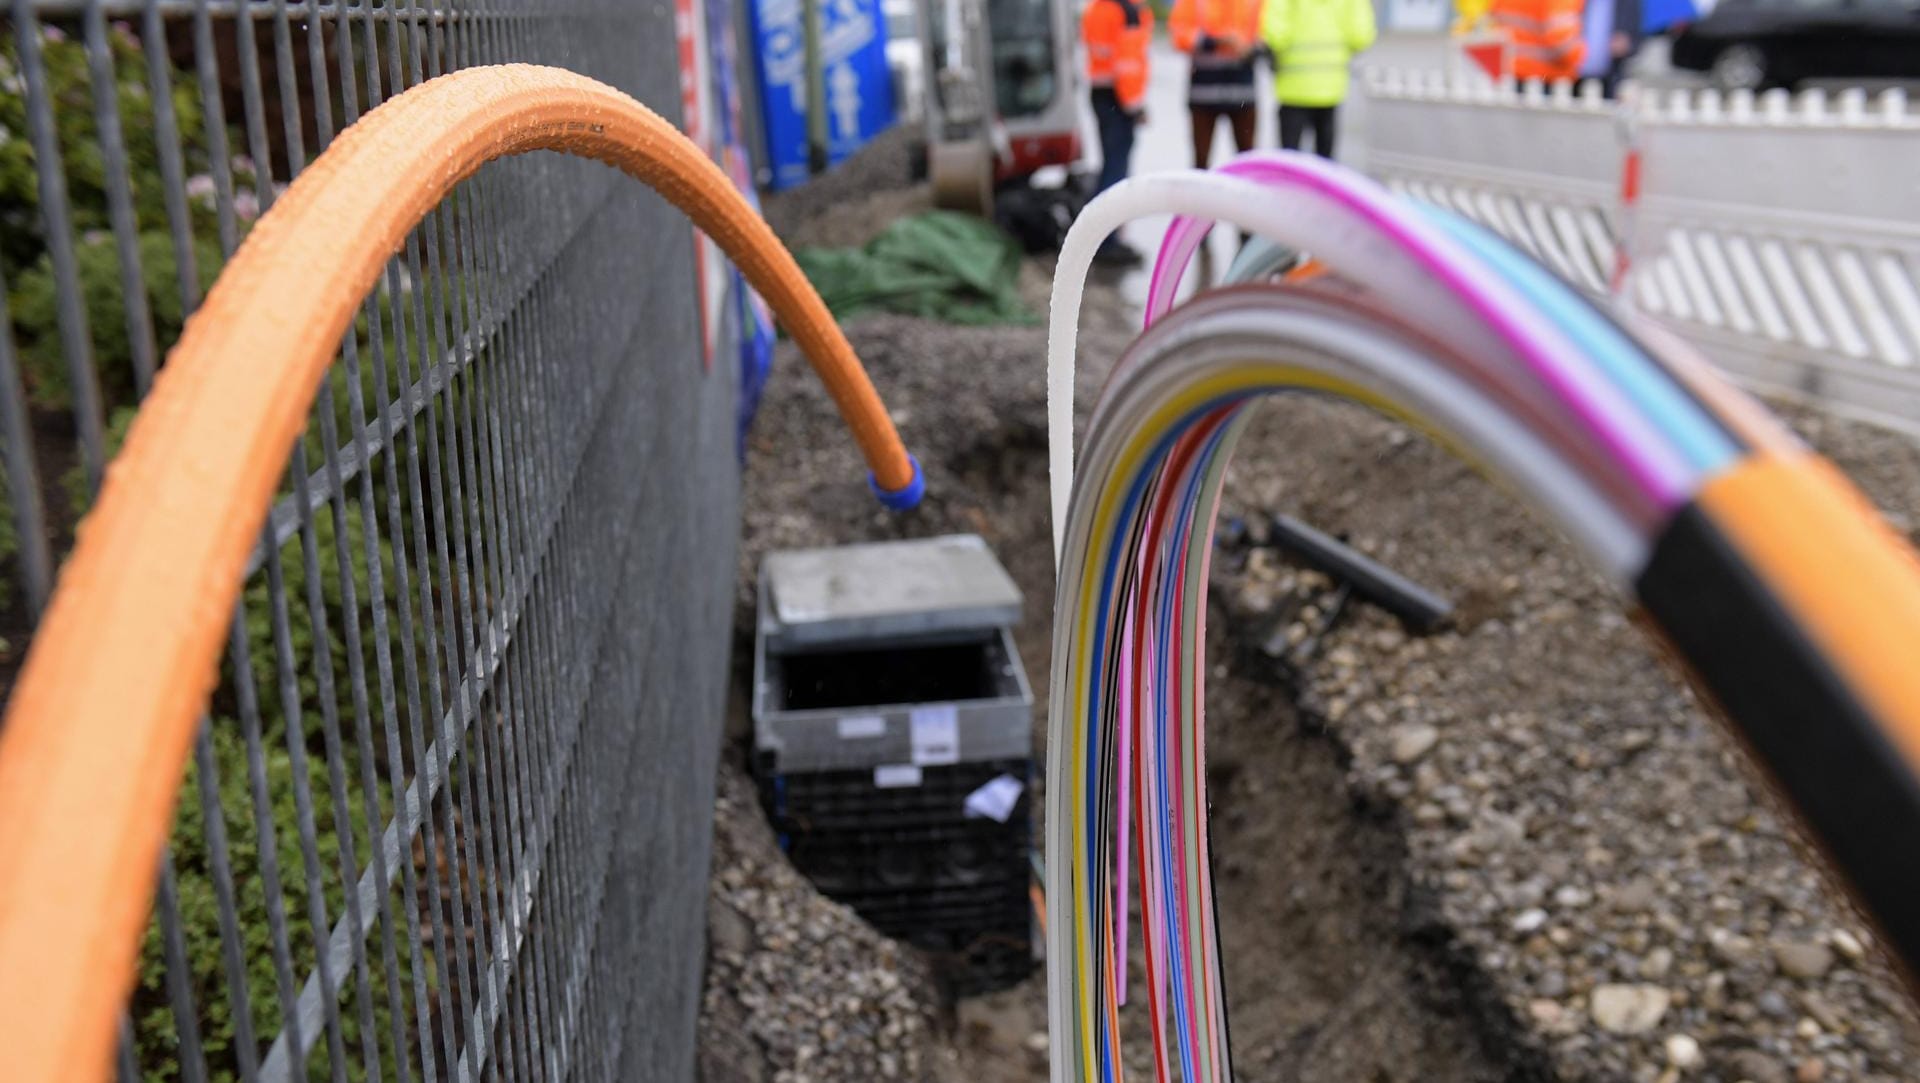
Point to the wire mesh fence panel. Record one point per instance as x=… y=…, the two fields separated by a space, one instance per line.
x=447 y=814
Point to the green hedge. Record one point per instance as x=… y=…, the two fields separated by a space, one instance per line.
x=33 y=302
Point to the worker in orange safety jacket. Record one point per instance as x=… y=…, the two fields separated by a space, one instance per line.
x=1220 y=36
x=1116 y=34
x=1544 y=39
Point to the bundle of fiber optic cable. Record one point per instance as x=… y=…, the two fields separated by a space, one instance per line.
x=1794 y=608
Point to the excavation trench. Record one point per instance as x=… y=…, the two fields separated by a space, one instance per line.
x=1432 y=852
x=1338 y=966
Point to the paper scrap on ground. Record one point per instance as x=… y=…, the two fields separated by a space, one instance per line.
x=995 y=799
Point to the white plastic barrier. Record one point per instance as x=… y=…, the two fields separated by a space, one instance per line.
x=1781 y=235
x=1542 y=170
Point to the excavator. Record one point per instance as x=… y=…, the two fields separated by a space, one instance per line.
x=1002 y=97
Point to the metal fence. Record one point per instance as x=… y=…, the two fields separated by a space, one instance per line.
x=449 y=814
x=1776 y=232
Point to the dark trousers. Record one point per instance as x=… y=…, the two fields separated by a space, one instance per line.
x=1116 y=137
x=1207 y=117
x=1610 y=82
x=1296 y=119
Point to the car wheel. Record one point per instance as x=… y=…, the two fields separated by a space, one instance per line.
x=1740 y=67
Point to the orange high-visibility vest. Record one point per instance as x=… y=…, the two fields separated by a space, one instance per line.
x=1238 y=20
x=1117 y=33
x=1543 y=36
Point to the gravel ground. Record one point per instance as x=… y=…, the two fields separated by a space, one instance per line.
x=1593 y=839
x=1518 y=850
x=880 y=1017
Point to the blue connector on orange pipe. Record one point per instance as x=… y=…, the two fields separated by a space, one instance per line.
x=906 y=497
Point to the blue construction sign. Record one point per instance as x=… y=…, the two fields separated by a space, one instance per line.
x=858 y=90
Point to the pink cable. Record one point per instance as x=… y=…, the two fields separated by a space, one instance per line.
x=1183 y=237
x=1124 y=701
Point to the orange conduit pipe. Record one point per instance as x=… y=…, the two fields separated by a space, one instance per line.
x=102 y=718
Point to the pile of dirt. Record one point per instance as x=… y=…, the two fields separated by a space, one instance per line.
x=851 y=203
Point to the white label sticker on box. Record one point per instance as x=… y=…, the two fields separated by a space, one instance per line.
x=856 y=726
x=892 y=776
x=936 y=734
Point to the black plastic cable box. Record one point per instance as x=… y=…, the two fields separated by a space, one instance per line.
x=915 y=866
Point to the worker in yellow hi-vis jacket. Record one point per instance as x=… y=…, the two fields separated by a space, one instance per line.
x=1313 y=43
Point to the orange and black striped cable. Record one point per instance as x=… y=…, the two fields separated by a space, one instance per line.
x=1797 y=609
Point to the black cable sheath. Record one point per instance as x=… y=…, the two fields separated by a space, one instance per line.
x=1822 y=748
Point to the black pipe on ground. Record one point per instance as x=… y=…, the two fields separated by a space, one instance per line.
x=1418 y=608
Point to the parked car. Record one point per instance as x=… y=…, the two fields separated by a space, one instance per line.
x=905 y=58
x=1758 y=44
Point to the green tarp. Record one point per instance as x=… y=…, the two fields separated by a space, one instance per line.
x=948 y=266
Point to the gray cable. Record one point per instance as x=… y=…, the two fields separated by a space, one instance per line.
x=1233 y=328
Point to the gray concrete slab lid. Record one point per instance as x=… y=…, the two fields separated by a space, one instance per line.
x=884 y=590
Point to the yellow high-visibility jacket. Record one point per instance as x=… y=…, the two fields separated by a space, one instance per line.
x=1313 y=43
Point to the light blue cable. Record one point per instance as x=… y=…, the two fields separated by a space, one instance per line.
x=1695 y=433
